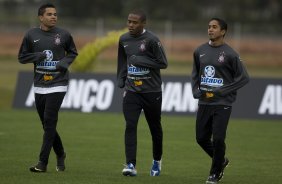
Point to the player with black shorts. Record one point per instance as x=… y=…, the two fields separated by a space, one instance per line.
x=140 y=58
x=217 y=74
x=51 y=50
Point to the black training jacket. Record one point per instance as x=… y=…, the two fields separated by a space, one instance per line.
x=218 y=70
x=139 y=62
x=51 y=52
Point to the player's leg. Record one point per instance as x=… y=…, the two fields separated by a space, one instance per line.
x=152 y=110
x=220 y=123
x=40 y=100
x=204 y=129
x=59 y=148
x=131 y=111
x=53 y=104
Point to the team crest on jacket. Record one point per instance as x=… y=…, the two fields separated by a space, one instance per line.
x=221 y=57
x=143 y=46
x=57 y=39
x=49 y=55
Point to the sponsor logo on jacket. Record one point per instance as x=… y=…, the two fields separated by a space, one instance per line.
x=209 y=78
x=47 y=64
x=133 y=70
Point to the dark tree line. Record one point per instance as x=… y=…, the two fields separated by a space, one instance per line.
x=177 y=10
x=173 y=10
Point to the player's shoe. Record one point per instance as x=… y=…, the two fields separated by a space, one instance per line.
x=39 y=168
x=129 y=170
x=224 y=165
x=156 y=168
x=213 y=179
x=61 y=163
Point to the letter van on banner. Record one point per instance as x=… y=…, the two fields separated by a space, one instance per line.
x=261 y=98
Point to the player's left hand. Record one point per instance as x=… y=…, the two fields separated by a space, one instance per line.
x=132 y=60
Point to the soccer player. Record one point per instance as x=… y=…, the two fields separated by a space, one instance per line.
x=51 y=50
x=140 y=58
x=217 y=74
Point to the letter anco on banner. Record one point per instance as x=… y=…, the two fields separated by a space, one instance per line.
x=272 y=100
x=179 y=98
x=88 y=94
x=88 y=101
x=105 y=94
x=73 y=96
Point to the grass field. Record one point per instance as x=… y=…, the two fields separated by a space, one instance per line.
x=95 y=150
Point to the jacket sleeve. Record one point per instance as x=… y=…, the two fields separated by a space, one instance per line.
x=155 y=59
x=71 y=54
x=26 y=55
x=241 y=78
x=195 y=76
x=121 y=66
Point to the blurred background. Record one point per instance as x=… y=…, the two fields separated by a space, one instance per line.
x=254 y=32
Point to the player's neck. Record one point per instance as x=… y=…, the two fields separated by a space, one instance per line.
x=45 y=28
x=216 y=42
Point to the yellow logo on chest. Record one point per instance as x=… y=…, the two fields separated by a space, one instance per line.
x=47 y=77
x=138 y=82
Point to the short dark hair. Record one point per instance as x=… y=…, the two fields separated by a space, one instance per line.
x=221 y=22
x=141 y=13
x=42 y=8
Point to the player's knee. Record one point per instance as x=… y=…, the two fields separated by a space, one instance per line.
x=202 y=141
x=218 y=141
x=131 y=127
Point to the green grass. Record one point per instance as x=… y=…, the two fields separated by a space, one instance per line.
x=95 y=150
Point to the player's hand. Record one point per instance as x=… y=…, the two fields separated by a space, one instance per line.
x=209 y=95
x=131 y=60
x=132 y=57
x=40 y=57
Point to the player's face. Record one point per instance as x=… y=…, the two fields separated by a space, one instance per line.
x=135 y=25
x=49 y=18
x=214 y=31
